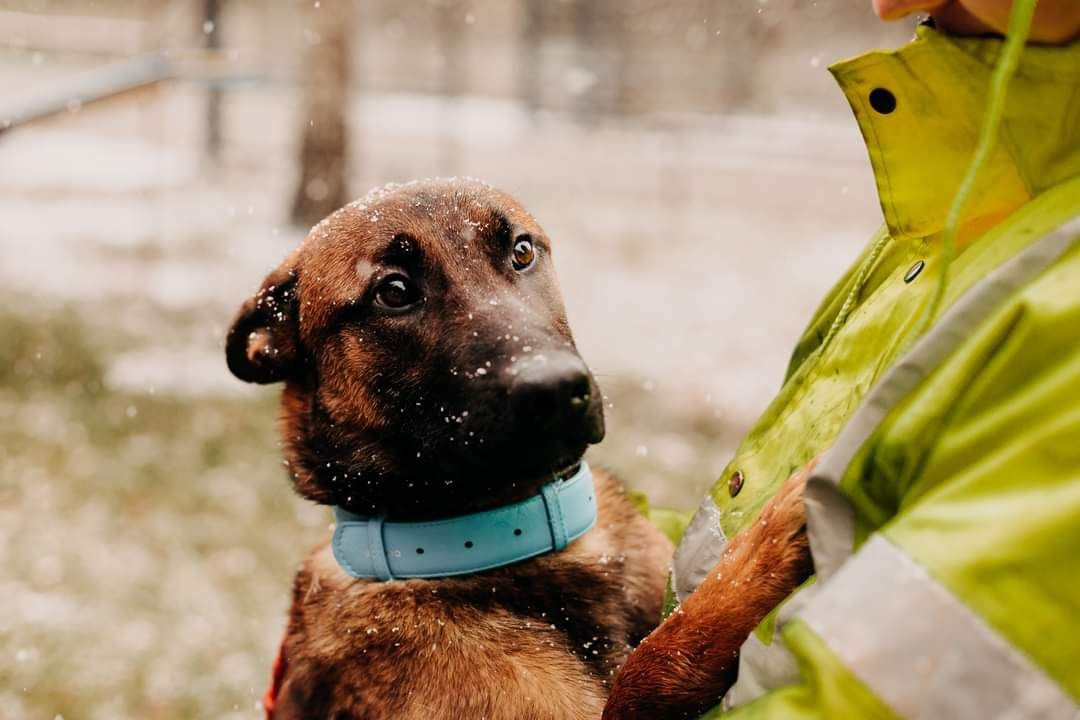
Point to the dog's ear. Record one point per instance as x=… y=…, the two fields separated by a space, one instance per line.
x=263 y=343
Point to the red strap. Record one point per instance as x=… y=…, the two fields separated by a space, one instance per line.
x=269 y=699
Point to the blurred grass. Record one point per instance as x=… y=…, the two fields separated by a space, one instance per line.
x=148 y=541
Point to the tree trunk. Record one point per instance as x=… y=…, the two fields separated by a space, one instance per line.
x=212 y=30
x=530 y=72
x=324 y=145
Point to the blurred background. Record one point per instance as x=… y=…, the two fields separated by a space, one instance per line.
x=699 y=173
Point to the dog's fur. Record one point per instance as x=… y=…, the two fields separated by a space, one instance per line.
x=430 y=412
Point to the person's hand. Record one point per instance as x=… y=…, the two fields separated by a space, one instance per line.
x=1055 y=22
x=686 y=665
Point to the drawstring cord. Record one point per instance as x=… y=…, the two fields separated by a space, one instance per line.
x=1015 y=39
x=853 y=295
x=1019 y=27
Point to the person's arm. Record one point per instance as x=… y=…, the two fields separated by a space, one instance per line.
x=964 y=592
x=963 y=598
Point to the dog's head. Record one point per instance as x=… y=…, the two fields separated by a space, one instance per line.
x=428 y=365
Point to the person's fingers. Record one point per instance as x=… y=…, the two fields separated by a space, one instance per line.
x=895 y=9
x=1056 y=21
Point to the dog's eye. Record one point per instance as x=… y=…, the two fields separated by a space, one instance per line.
x=396 y=292
x=524 y=253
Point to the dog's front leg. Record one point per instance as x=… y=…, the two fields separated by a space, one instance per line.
x=686 y=665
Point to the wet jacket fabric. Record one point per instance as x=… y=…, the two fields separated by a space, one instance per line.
x=944 y=516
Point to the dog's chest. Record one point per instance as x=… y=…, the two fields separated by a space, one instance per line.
x=532 y=635
x=572 y=605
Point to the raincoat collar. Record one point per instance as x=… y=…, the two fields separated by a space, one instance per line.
x=920 y=107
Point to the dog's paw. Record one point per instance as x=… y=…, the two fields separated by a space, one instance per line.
x=688 y=663
x=778 y=538
x=786 y=508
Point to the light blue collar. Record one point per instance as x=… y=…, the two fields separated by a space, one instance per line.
x=372 y=548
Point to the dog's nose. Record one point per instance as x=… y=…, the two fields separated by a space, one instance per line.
x=549 y=387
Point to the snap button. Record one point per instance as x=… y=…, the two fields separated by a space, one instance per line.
x=882 y=101
x=913 y=271
x=734 y=484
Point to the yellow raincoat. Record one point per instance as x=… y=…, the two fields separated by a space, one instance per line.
x=945 y=516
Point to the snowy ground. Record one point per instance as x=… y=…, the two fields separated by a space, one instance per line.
x=150 y=531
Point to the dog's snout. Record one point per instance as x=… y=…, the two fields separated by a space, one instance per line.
x=551 y=387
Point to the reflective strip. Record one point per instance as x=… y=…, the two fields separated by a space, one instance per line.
x=700 y=549
x=830 y=519
x=761 y=668
x=920 y=650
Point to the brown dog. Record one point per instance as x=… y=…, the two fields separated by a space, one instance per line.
x=430 y=372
